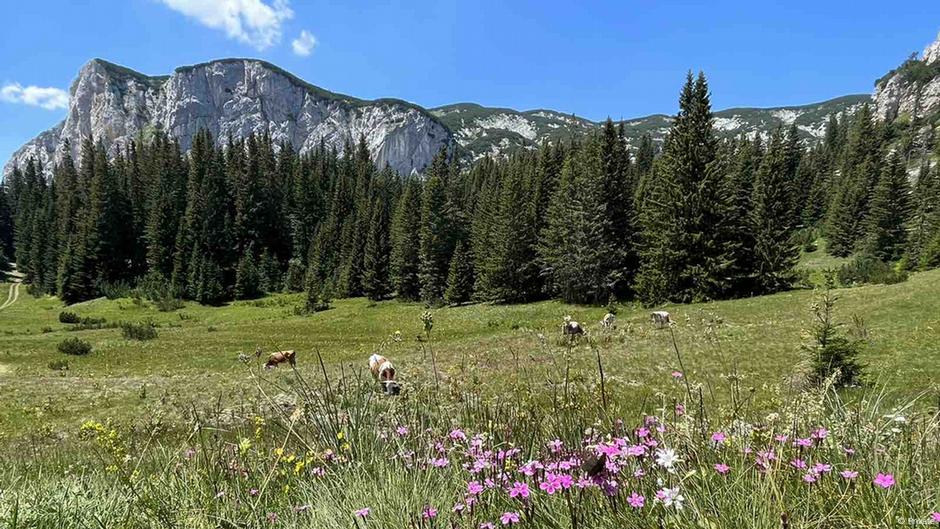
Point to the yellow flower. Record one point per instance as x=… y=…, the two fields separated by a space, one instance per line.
x=278 y=452
x=244 y=445
x=345 y=447
x=298 y=467
x=341 y=436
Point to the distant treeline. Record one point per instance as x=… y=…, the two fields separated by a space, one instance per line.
x=586 y=221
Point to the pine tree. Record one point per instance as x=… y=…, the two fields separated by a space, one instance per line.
x=746 y=160
x=436 y=234
x=772 y=219
x=247 y=279
x=859 y=171
x=617 y=202
x=925 y=219
x=459 y=276
x=886 y=224
x=405 y=259
x=376 y=282
x=573 y=250
x=687 y=252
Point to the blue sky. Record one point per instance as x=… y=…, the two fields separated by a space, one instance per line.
x=594 y=59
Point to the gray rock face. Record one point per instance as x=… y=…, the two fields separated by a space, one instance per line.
x=234 y=97
x=901 y=94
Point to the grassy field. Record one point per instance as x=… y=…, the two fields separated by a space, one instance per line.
x=194 y=359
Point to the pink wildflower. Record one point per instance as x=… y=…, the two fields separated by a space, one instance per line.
x=549 y=486
x=722 y=468
x=798 y=464
x=821 y=468
x=804 y=442
x=820 y=433
x=642 y=432
x=935 y=516
x=458 y=435
x=487 y=525
x=429 y=513
x=474 y=488
x=509 y=518
x=636 y=501
x=253 y=492
x=363 y=512
x=809 y=478
x=403 y=431
x=718 y=437
x=677 y=375
x=849 y=474
x=555 y=446
x=885 y=481
x=781 y=438
x=519 y=489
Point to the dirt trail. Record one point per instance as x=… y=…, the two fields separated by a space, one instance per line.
x=14 y=293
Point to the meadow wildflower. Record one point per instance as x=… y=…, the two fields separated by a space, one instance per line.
x=636 y=501
x=402 y=431
x=555 y=446
x=935 y=516
x=809 y=478
x=719 y=437
x=429 y=513
x=667 y=458
x=509 y=518
x=272 y=517
x=677 y=375
x=722 y=468
x=670 y=497
x=821 y=468
x=803 y=442
x=363 y=512
x=253 y=492
x=849 y=474
x=519 y=489
x=474 y=488
x=487 y=525
x=885 y=481
x=798 y=464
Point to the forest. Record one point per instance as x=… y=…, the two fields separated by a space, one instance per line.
x=590 y=220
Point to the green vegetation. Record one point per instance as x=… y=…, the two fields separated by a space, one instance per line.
x=74 y=346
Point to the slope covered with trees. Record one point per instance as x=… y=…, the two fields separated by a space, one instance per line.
x=585 y=221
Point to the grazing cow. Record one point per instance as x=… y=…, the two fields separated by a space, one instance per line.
x=609 y=321
x=278 y=357
x=660 y=319
x=571 y=327
x=384 y=373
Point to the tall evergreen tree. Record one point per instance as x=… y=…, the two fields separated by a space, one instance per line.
x=888 y=217
x=459 y=276
x=772 y=219
x=405 y=258
x=436 y=234
x=859 y=171
x=376 y=281
x=687 y=252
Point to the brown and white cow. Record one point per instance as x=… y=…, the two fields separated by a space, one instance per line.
x=384 y=373
x=278 y=357
x=571 y=327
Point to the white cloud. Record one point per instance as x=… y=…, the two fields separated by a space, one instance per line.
x=304 y=44
x=254 y=22
x=37 y=96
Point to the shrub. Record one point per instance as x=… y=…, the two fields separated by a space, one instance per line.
x=74 y=346
x=69 y=317
x=138 y=331
x=59 y=365
x=168 y=304
x=867 y=269
x=114 y=290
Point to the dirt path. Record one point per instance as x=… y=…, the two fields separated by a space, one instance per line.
x=14 y=293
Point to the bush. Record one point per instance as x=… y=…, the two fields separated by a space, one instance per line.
x=75 y=347
x=69 y=317
x=115 y=290
x=138 y=331
x=168 y=304
x=867 y=269
x=59 y=365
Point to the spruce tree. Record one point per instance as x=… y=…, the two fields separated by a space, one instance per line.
x=436 y=234
x=376 y=282
x=925 y=214
x=687 y=252
x=859 y=171
x=617 y=202
x=573 y=250
x=459 y=276
x=888 y=216
x=247 y=277
x=772 y=219
x=405 y=258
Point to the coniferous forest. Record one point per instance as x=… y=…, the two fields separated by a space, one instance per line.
x=586 y=221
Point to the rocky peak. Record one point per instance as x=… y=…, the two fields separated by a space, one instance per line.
x=911 y=90
x=234 y=97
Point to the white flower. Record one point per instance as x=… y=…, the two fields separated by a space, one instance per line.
x=667 y=458
x=672 y=497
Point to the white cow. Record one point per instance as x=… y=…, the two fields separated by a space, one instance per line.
x=660 y=319
x=609 y=321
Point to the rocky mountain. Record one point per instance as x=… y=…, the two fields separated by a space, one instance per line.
x=234 y=97
x=913 y=89
x=480 y=131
